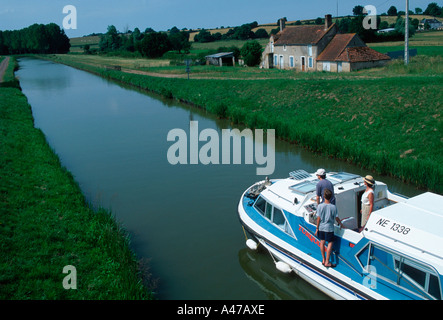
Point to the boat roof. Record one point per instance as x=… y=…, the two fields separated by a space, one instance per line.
x=413 y=226
x=302 y=186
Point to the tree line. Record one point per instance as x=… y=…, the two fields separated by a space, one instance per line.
x=243 y=32
x=37 y=38
x=150 y=44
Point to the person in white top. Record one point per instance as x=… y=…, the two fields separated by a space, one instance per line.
x=367 y=200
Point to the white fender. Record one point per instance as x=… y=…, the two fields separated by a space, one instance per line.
x=252 y=244
x=283 y=267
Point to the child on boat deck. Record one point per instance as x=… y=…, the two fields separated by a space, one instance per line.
x=326 y=214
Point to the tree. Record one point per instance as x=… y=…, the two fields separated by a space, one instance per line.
x=357 y=26
x=392 y=11
x=383 y=25
x=261 y=33
x=137 y=35
x=418 y=10
x=180 y=41
x=154 y=45
x=433 y=10
x=174 y=30
x=111 y=40
x=400 y=27
x=244 y=32
x=358 y=10
x=203 y=36
x=57 y=40
x=37 y=38
x=344 y=25
x=251 y=52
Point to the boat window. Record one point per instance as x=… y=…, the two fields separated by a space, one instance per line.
x=278 y=218
x=411 y=275
x=434 y=287
x=415 y=274
x=304 y=187
x=275 y=215
x=260 y=205
x=363 y=257
x=268 y=212
x=419 y=276
x=343 y=176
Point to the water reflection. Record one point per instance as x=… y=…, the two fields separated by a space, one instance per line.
x=260 y=269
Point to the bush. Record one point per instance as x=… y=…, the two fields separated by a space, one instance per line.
x=251 y=52
x=154 y=45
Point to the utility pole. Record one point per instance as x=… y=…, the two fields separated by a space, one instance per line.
x=407 y=34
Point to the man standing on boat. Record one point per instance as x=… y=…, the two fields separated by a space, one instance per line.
x=322 y=185
x=326 y=215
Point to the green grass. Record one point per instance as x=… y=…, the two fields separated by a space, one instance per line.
x=386 y=119
x=45 y=223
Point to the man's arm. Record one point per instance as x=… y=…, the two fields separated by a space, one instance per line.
x=318 y=225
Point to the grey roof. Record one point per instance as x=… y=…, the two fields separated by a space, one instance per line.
x=221 y=55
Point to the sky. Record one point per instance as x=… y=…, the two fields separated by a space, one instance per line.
x=94 y=16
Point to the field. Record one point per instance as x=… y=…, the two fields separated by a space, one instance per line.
x=376 y=118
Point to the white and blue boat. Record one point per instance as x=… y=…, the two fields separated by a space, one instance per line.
x=398 y=255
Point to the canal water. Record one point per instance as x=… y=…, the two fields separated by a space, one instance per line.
x=183 y=218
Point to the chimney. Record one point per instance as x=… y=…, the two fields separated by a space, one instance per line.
x=282 y=23
x=328 y=21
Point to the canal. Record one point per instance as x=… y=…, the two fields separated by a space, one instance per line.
x=182 y=218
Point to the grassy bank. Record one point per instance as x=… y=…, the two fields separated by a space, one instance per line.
x=45 y=223
x=387 y=120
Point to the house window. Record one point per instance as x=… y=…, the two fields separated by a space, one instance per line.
x=272 y=47
x=310 y=62
x=291 y=61
x=284 y=47
x=309 y=50
x=275 y=60
x=282 y=62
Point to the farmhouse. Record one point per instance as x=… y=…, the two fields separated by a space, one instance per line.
x=432 y=24
x=317 y=48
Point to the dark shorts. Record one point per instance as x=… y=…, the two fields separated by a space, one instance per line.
x=328 y=236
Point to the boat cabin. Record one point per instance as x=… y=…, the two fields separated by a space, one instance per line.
x=348 y=189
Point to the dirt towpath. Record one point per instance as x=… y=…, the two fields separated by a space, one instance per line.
x=3 y=66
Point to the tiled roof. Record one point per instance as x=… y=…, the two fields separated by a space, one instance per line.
x=361 y=54
x=301 y=35
x=337 y=45
x=339 y=49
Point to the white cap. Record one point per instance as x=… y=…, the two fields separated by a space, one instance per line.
x=320 y=172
